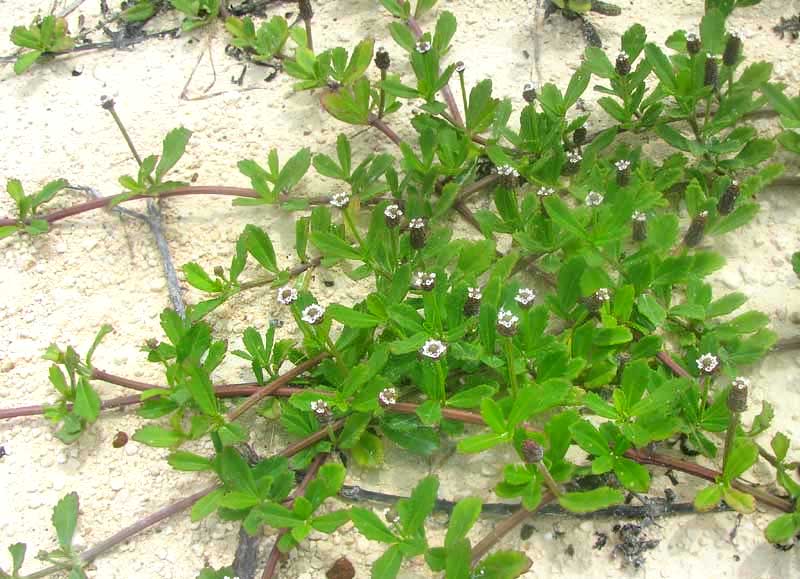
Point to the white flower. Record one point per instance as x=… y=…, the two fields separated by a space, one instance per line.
x=460 y=66
x=423 y=280
x=735 y=33
x=593 y=199
x=313 y=314
x=707 y=363
x=416 y=223
x=525 y=296
x=574 y=157
x=320 y=407
x=340 y=200
x=639 y=216
x=740 y=382
x=423 y=46
x=506 y=318
x=474 y=293
x=507 y=171
x=388 y=396
x=393 y=212
x=602 y=295
x=545 y=191
x=528 y=86
x=691 y=37
x=623 y=165
x=287 y=295
x=433 y=349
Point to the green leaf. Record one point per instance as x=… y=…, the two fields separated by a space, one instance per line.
x=87 y=402
x=359 y=61
x=280 y=517
x=743 y=455
x=632 y=475
x=470 y=398
x=780 y=446
x=371 y=526
x=588 y=501
x=329 y=522
x=708 y=498
x=480 y=107
x=333 y=246
x=188 y=461
x=562 y=215
x=260 y=247
x=202 y=391
x=661 y=66
x=414 y=510
x=65 y=519
x=738 y=500
x=480 y=442
x=712 y=31
x=26 y=61
x=206 y=505
x=725 y=304
x=387 y=565
x=7 y=230
x=783 y=529
x=17 y=551
x=293 y=170
x=589 y=438
x=198 y=278
x=457 y=562
x=633 y=41
x=173 y=147
x=596 y=62
x=651 y=309
x=503 y=565
x=368 y=451
x=352 y=318
x=464 y=515
x=157 y=437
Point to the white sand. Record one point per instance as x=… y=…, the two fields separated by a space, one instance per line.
x=94 y=269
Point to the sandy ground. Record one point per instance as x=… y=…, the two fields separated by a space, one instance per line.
x=96 y=268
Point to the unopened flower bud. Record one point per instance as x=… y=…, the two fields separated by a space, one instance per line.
x=696 y=230
x=728 y=199
x=579 y=136
x=219 y=271
x=472 y=305
x=623 y=167
x=737 y=397
x=597 y=299
x=623 y=64
x=639 y=220
x=485 y=167
x=692 y=44
x=460 y=67
x=711 y=74
x=532 y=451
x=529 y=92
x=419 y=232
x=382 y=60
x=733 y=50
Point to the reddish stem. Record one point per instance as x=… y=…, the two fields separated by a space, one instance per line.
x=379 y=124
x=275 y=554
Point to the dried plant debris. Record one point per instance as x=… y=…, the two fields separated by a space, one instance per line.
x=633 y=543
x=790 y=26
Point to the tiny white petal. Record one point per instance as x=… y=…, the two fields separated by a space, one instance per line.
x=433 y=349
x=286 y=295
x=313 y=314
x=545 y=191
x=417 y=223
x=602 y=294
x=506 y=318
x=393 y=212
x=593 y=199
x=340 y=199
x=423 y=46
x=525 y=296
x=639 y=216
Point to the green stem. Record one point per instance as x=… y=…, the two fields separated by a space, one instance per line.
x=382 y=102
x=110 y=108
x=442 y=382
x=331 y=347
x=730 y=436
x=463 y=91
x=512 y=375
x=549 y=481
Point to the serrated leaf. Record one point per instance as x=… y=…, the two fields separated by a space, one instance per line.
x=588 y=501
x=65 y=519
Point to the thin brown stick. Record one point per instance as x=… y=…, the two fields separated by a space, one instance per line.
x=282 y=380
x=275 y=554
x=504 y=528
x=379 y=124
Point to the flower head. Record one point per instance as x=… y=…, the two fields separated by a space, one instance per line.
x=433 y=349
x=417 y=223
x=392 y=214
x=423 y=46
x=740 y=382
x=320 y=407
x=507 y=171
x=602 y=295
x=472 y=305
x=639 y=216
x=460 y=66
x=529 y=92
x=313 y=314
x=287 y=295
x=525 y=297
x=545 y=191
x=388 y=397
x=593 y=199
x=424 y=280
x=574 y=157
x=474 y=293
x=707 y=363
x=507 y=320
x=622 y=165
x=340 y=200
